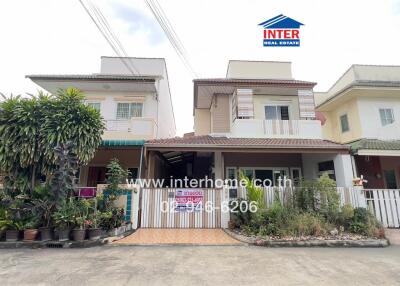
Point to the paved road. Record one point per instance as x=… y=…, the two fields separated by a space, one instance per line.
x=200 y=265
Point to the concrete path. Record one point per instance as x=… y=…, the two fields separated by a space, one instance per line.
x=200 y=265
x=393 y=235
x=159 y=236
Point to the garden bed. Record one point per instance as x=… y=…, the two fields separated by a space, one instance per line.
x=343 y=240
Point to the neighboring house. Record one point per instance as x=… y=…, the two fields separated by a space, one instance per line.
x=134 y=107
x=258 y=120
x=363 y=109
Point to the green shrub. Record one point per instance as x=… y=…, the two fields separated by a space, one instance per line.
x=365 y=223
x=307 y=224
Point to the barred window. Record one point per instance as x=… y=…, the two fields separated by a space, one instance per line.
x=129 y=110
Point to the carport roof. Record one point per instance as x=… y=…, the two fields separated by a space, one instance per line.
x=244 y=143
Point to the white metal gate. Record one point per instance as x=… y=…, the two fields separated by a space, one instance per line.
x=156 y=210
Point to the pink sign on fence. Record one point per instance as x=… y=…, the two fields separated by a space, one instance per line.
x=189 y=199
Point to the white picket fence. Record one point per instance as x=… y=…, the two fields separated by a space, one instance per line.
x=383 y=203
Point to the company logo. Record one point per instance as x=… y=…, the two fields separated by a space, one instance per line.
x=281 y=31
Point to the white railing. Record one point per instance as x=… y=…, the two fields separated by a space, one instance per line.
x=138 y=126
x=277 y=128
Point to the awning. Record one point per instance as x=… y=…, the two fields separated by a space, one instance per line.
x=375 y=147
x=116 y=143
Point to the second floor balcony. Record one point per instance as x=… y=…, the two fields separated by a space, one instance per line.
x=259 y=128
x=134 y=128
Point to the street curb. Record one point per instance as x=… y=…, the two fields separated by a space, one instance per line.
x=366 y=243
x=62 y=244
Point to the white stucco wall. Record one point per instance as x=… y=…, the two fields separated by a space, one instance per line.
x=259 y=69
x=163 y=110
x=370 y=120
x=342 y=165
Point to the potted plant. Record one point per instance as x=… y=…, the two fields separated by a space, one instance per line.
x=43 y=206
x=94 y=231
x=63 y=219
x=80 y=218
x=30 y=229
x=13 y=230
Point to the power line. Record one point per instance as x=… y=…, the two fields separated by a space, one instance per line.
x=102 y=25
x=165 y=24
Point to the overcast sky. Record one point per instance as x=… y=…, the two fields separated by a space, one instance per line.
x=57 y=36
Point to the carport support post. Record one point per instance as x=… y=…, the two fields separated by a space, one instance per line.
x=218 y=165
x=343 y=170
x=135 y=206
x=225 y=214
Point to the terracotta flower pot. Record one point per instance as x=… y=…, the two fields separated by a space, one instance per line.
x=78 y=234
x=45 y=233
x=30 y=234
x=63 y=234
x=94 y=233
x=12 y=235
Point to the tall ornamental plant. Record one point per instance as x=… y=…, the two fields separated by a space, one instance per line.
x=31 y=128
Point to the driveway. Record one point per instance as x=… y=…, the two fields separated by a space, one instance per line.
x=197 y=236
x=200 y=265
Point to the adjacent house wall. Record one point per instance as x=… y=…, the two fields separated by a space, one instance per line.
x=149 y=66
x=332 y=128
x=370 y=118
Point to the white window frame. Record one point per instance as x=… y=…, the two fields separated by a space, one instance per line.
x=129 y=110
x=288 y=104
x=90 y=103
x=273 y=169
x=386 y=119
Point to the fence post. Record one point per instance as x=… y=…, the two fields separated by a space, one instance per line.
x=360 y=196
x=225 y=215
x=135 y=206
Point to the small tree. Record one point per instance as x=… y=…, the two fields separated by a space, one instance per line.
x=63 y=180
x=115 y=175
x=30 y=129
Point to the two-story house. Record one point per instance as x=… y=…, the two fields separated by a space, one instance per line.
x=363 y=109
x=258 y=120
x=135 y=107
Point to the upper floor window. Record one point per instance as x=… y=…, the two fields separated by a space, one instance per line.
x=95 y=105
x=387 y=116
x=344 y=123
x=276 y=112
x=129 y=110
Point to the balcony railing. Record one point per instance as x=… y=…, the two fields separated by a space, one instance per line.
x=309 y=129
x=136 y=126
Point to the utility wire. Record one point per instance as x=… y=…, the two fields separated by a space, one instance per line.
x=165 y=24
x=102 y=25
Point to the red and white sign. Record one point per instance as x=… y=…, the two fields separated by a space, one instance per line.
x=189 y=199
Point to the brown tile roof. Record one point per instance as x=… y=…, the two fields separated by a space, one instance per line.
x=252 y=81
x=225 y=142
